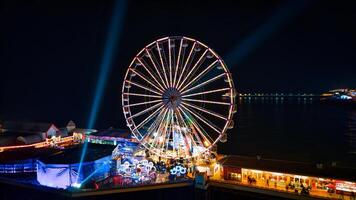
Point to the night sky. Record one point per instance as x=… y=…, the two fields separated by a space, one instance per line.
x=51 y=51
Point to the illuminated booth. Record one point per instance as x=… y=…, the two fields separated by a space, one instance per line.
x=66 y=175
x=62 y=170
x=287 y=175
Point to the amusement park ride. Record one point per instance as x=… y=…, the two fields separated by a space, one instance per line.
x=178 y=98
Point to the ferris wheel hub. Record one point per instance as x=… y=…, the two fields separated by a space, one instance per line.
x=172 y=98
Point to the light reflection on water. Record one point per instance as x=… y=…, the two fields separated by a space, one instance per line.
x=293 y=128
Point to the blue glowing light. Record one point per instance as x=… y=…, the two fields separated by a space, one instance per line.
x=109 y=52
x=76 y=185
x=114 y=33
x=99 y=169
x=284 y=14
x=345 y=97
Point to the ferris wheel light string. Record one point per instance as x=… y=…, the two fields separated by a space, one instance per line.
x=141 y=76
x=159 y=121
x=151 y=74
x=191 y=70
x=165 y=130
x=183 y=135
x=196 y=127
x=155 y=66
x=168 y=129
x=193 y=78
x=207 y=122
x=203 y=83
x=206 y=92
x=186 y=62
x=143 y=103
x=184 y=124
x=160 y=127
x=152 y=129
x=143 y=87
x=182 y=61
x=144 y=111
x=141 y=95
x=148 y=118
x=205 y=110
x=163 y=66
x=176 y=69
x=170 y=62
x=172 y=134
x=186 y=73
x=207 y=101
x=200 y=75
x=193 y=127
x=162 y=131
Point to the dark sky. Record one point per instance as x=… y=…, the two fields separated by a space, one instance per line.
x=51 y=51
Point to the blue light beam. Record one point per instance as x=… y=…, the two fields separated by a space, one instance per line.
x=93 y=173
x=110 y=48
x=113 y=36
x=284 y=14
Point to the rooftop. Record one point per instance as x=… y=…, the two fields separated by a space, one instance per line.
x=28 y=127
x=73 y=155
x=122 y=133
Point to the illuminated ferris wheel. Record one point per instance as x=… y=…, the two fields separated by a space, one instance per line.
x=178 y=97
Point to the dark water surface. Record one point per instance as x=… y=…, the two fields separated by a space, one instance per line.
x=293 y=129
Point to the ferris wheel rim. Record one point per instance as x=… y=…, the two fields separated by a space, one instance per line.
x=166 y=82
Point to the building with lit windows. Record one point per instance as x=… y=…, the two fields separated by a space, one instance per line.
x=288 y=175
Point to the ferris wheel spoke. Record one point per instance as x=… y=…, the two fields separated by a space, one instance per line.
x=155 y=66
x=142 y=95
x=205 y=110
x=150 y=130
x=185 y=136
x=203 y=83
x=166 y=131
x=207 y=122
x=206 y=92
x=145 y=111
x=148 y=118
x=151 y=73
x=171 y=130
x=159 y=133
x=199 y=75
x=157 y=122
x=143 y=87
x=163 y=65
x=162 y=132
x=206 y=101
x=192 y=69
x=180 y=117
x=197 y=132
x=170 y=63
x=141 y=76
x=202 y=136
x=186 y=63
x=178 y=59
x=144 y=103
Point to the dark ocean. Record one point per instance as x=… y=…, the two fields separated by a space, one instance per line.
x=298 y=129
